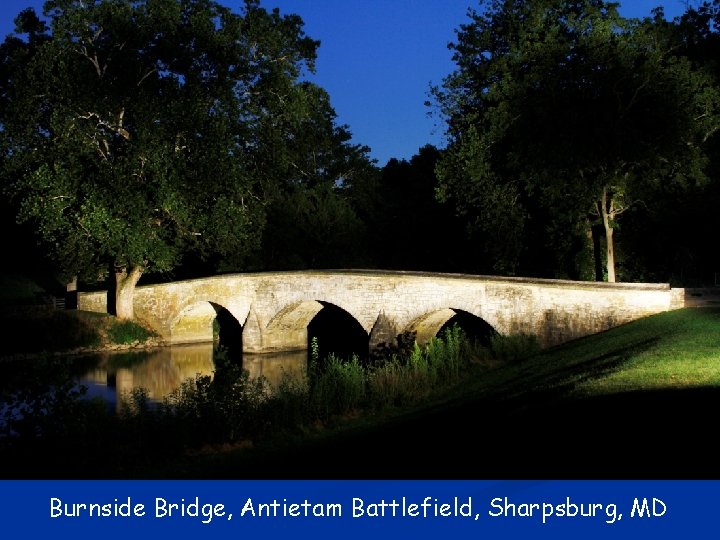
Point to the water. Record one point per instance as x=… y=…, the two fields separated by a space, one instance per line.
x=111 y=376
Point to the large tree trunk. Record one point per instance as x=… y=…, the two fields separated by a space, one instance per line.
x=125 y=290
x=610 y=254
x=607 y=211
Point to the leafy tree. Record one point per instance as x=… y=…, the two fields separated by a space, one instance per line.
x=559 y=113
x=411 y=229
x=311 y=222
x=313 y=227
x=134 y=132
x=669 y=234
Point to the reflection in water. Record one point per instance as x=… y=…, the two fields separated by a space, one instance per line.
x=161 y=371
x=274 y=366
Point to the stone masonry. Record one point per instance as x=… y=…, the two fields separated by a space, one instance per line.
x=274 y=308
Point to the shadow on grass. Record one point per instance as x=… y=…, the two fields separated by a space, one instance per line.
x=657 y=434
x=537 y=382
x=531 y=427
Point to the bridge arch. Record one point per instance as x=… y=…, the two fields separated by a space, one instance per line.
x=287 y=330
x=296 y=324
x=434 y=323
x=475 y=328
x=338 y=332
x=194 y=324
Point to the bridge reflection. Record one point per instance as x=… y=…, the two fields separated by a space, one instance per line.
x=161 y=371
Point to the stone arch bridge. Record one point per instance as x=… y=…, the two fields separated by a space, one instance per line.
x=275 y=308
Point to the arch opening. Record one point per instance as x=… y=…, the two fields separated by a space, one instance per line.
x=435 y=323
x=209 y=322
x=337 y=332
x=477 y=330
x=227 y=332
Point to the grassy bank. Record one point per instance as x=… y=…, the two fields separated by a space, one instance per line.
x=636 y=401
x=31 y=325
x=19 y=290
x=33 y=330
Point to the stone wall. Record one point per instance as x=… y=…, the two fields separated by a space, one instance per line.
x=275 y=308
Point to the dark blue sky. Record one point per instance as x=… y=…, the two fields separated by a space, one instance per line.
x=378 y=58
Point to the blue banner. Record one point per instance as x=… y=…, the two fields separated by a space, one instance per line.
x=360 y=509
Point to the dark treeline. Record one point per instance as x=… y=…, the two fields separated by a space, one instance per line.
x=180 y=139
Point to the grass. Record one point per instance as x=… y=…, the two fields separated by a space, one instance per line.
x=126 y=332
x=46 y=329
x=674 y=350
x=30 y=324
x=679 y=350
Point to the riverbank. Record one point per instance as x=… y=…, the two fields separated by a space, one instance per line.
x=146 y=346
x=41 y=330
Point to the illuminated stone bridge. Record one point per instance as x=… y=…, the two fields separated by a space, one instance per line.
x=272 y=310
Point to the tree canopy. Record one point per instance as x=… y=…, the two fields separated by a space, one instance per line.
x=560 y=114
x=137 y=133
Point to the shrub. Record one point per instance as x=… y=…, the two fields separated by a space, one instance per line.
x=231 y=406
x=396 y=383
x=288 y=405
x=223 y=408
x=400 y=350
x=43 y=402
x=125 y=332
x=402 y=380
x=338 y=388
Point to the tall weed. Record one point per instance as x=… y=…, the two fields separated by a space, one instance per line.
x=338 y=388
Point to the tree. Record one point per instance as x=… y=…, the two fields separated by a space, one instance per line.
x=411 y=230
x=134 y=132
x=313 y=227
x=567 y=109
x=669 y=234
x=311 y=222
